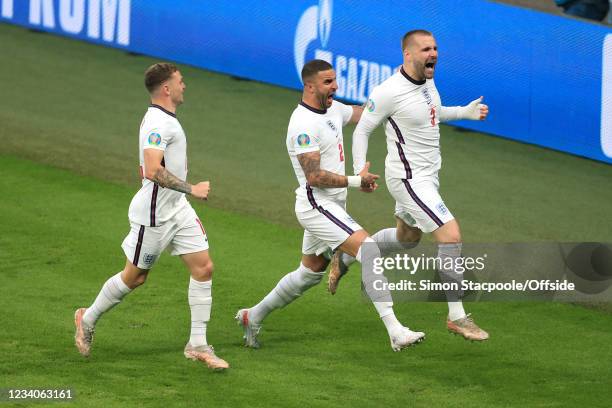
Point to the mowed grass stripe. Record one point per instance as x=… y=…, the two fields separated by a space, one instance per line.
x=60 y=241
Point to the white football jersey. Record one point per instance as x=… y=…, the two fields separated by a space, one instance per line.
x=411 y=110
x=154 y=205
x=313 y=130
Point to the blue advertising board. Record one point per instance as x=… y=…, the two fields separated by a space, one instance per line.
x=546 y=78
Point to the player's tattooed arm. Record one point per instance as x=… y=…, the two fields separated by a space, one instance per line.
x=168 y=180
x=155 y=171
x=316 y=177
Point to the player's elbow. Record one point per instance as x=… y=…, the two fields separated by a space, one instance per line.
x=312 y=179
x=151 y=172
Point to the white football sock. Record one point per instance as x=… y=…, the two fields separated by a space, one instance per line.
x=380 y=298
x=289 y=288
x=385 y=311
x=112 y=292
x=450 y=253
x=200 y=303
x=456 y=310
x=387 y=242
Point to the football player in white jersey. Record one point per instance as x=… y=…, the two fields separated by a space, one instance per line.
x=160 y=218
x=315 y=146
x=409 y=105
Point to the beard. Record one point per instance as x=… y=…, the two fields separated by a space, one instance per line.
x=422 y=71
x=324 y=101
x=177 y=100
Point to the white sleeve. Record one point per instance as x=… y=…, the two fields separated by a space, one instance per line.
x=157 y=138
x=347 y=112
x=448 y=113
x=471 y=111
x=304 y=139
x=378 y=108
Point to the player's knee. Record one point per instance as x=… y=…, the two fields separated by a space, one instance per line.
x=207 y=269
x=203 y=271
x=454 y=236
x=140 y=279
x=451 y=238
x=449 y=233
x=320 y=267
x=315 y=263
x=133 y=276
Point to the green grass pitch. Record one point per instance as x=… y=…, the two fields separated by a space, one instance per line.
x=69 y=117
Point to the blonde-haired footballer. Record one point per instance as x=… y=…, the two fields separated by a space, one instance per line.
x=160 y=218
x=409 y=105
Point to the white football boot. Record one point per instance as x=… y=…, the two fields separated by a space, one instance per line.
x=250 y=330
x=405 y=338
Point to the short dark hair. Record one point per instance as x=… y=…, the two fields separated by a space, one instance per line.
x=157 y=74
x=312 y=68
x=407 y=38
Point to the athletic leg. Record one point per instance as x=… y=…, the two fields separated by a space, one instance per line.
x=389 y=241
x=111 y=294
x=365 y=250
x=448 y=237
x=200 y=267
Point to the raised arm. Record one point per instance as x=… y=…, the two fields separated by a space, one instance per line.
x=157 y=173
x=475 y=110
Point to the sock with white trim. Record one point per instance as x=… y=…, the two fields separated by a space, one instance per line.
x=200 y=303
x=113 y=291
x=288 y=289
x=449 y=254
x=381 y=298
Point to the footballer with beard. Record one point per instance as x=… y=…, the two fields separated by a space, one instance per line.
x=409 y=105
x=315 y=146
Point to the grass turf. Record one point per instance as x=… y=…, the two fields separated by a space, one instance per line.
x=63 y=241
x=75 y=106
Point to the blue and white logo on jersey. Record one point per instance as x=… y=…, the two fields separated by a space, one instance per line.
x=427 y=96
x=149 y=259
x=154 y=139
x=371 y=105
x=303 y=140
x=442 y=208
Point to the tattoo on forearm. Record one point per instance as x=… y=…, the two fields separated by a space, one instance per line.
x=311 y=164
x=168 y=180
x=329 y=179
